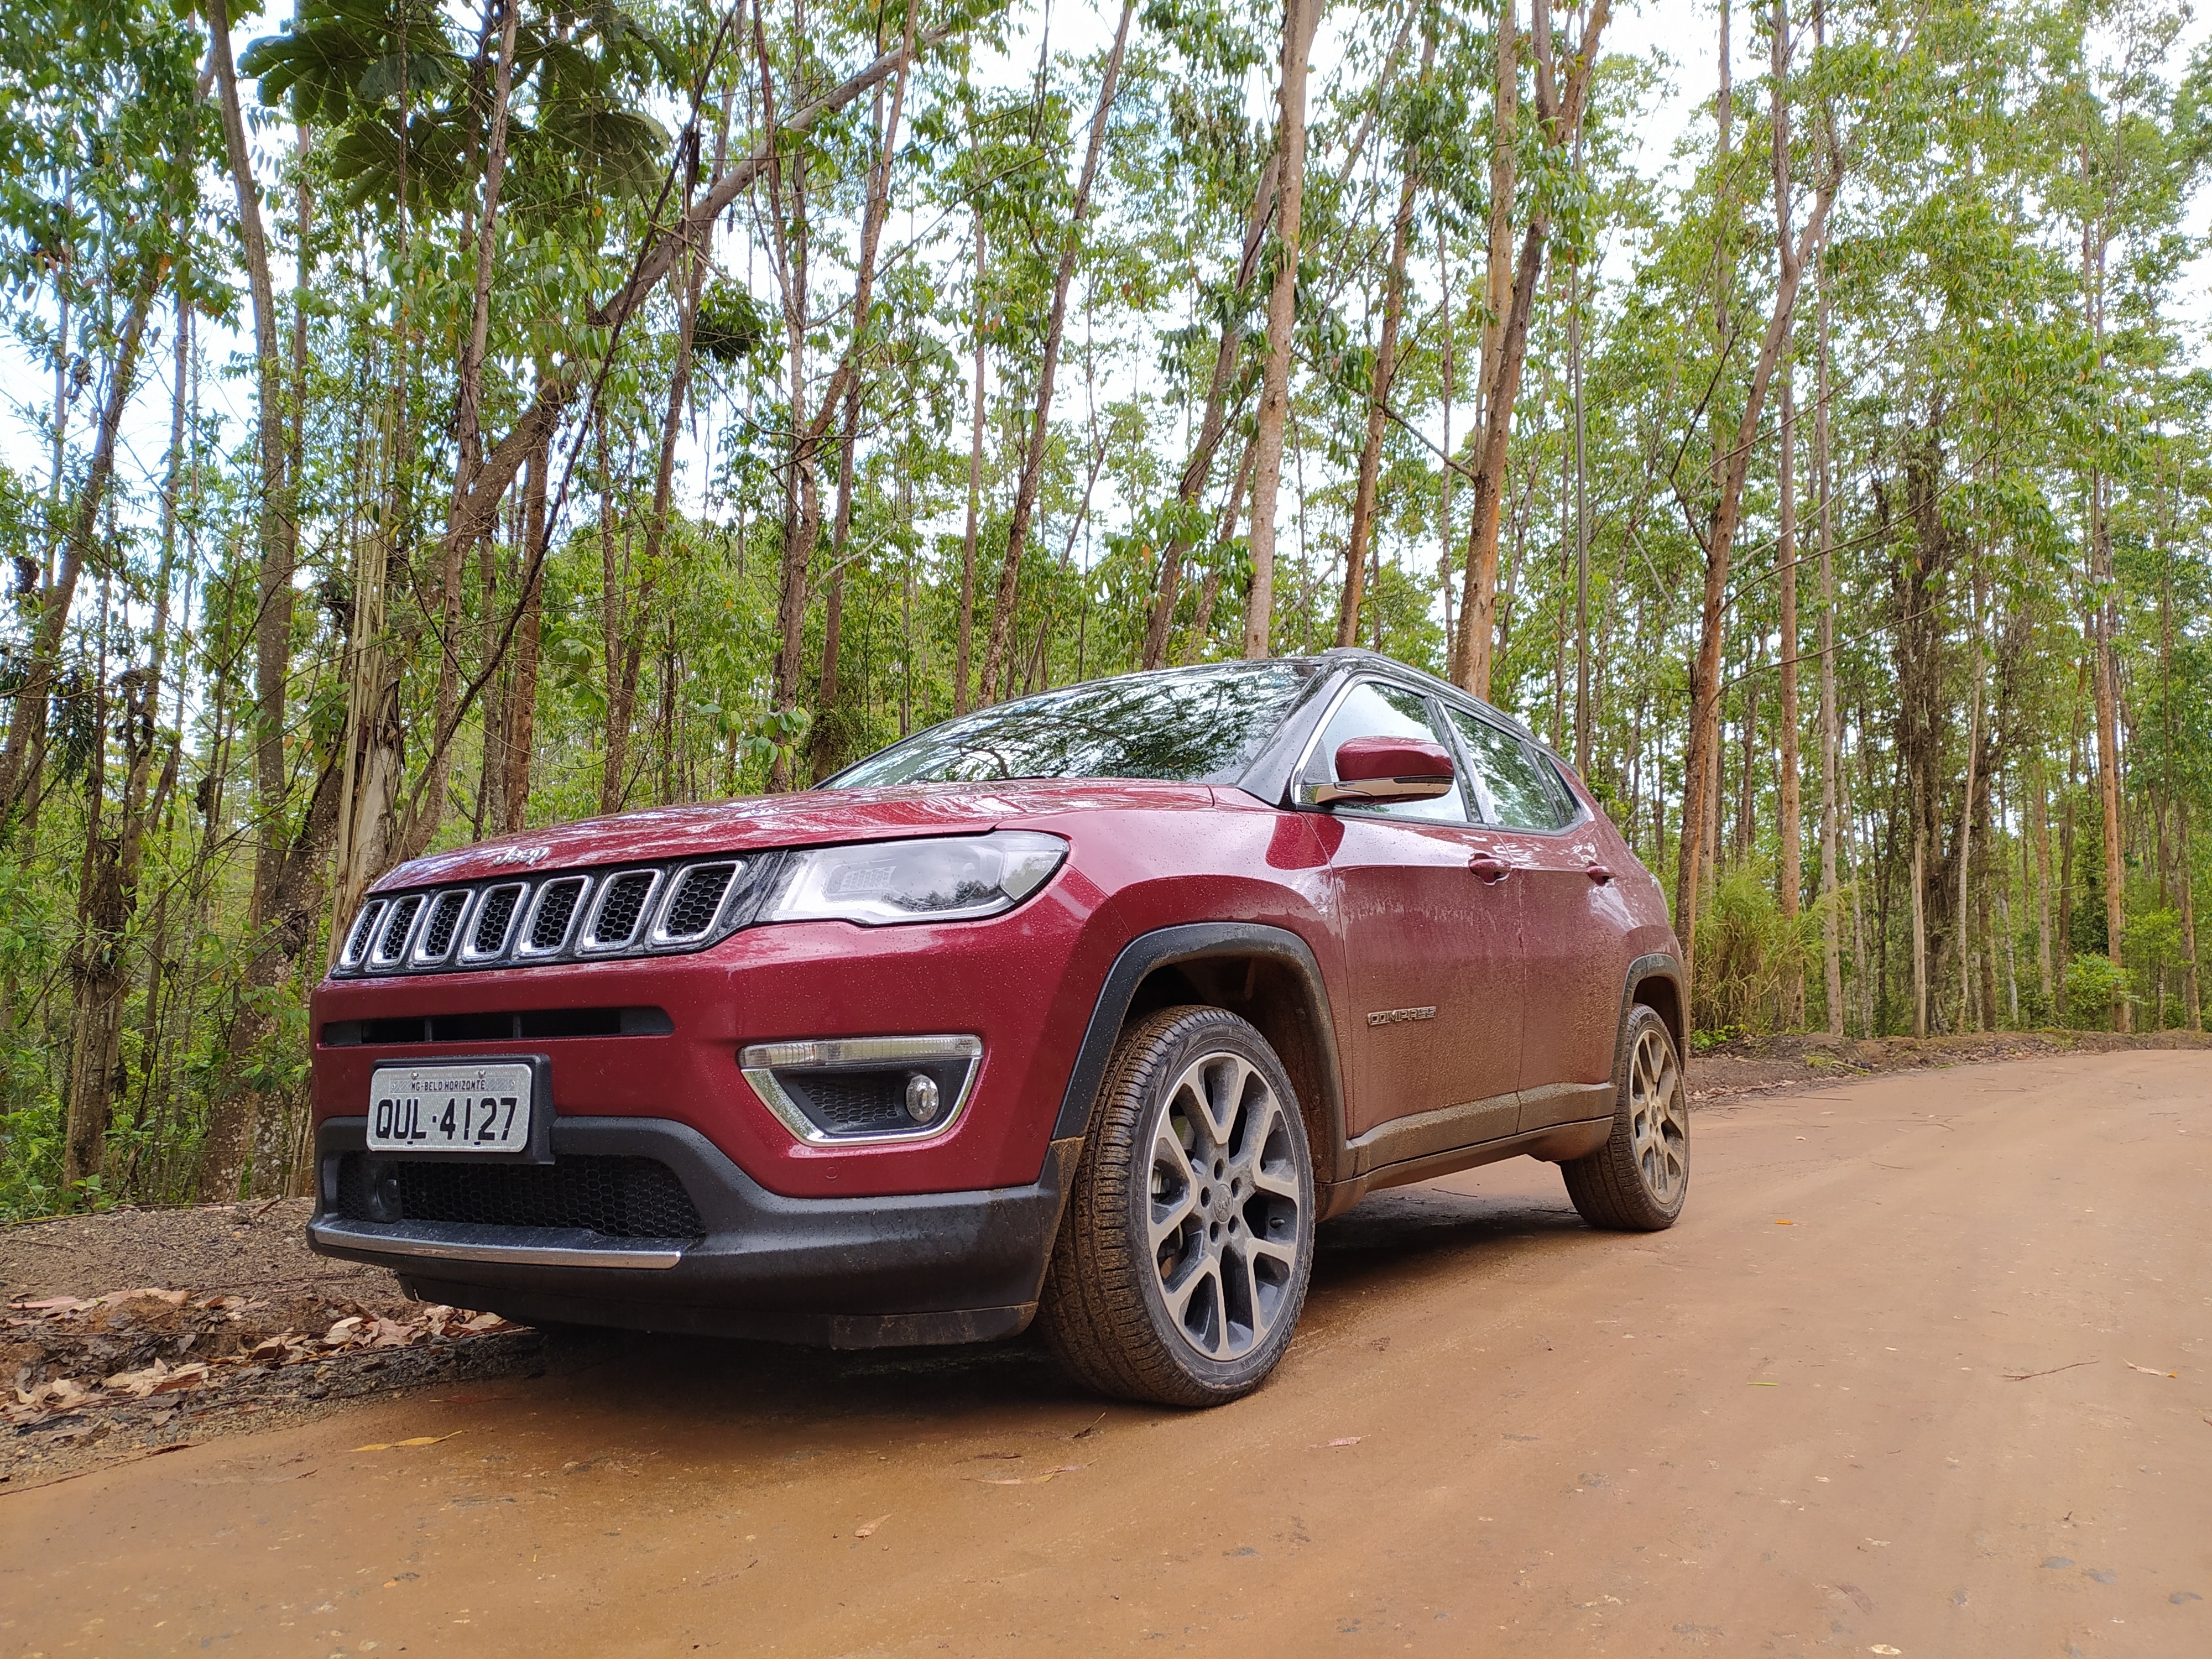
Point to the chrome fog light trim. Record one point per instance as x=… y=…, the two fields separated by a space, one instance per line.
x=775 y=1070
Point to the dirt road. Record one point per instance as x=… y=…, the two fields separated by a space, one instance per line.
x=1498 y=1433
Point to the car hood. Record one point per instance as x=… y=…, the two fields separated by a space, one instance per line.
x=813 y=818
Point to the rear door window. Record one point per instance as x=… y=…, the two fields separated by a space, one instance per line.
x=1373 y=709
x=1517 y=790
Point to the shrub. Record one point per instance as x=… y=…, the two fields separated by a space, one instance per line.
x=1748 y=950
x=2094 y=985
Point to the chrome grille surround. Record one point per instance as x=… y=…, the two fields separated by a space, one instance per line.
x=441 y=925
x=390 y=950
x=491 y=922
x=696 y=900
x=364 y=930
x=605 y=928
x=552 y=915
x=559 y=915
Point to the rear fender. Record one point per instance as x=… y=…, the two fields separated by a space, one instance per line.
x=1655 y=980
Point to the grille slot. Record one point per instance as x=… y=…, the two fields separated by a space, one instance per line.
x=550 y=915
x=392 y=942
x=696 y=900
x=622 y=907
x=443 y=920
x=364 y=929
x=494 y=917
x=616 y=1197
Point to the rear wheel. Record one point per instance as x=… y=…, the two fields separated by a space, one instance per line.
x=1182 y=1262
x=1636 y=1182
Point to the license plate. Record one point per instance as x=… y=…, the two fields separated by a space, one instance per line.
x=449 y=1109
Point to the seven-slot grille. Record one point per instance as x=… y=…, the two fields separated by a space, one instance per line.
x=562 y=916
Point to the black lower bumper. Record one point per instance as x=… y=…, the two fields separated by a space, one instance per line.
x=847 y=1272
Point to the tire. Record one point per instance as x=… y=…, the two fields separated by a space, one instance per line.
x=1636 y=1182
x=1177 y=1278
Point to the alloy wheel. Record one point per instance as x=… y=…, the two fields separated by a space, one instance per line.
x=1658 y=1120
x=1223 y=1198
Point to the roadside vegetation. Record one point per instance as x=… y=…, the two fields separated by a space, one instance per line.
x=436 y=420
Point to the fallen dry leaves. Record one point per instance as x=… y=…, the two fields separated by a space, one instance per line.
x=68 y=1315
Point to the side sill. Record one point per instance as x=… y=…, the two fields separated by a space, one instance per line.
x=1560 y=1143
x=447 y=1241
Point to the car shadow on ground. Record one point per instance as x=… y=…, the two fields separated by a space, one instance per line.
x=1393 y=1244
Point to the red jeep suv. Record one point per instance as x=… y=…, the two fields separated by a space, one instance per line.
x=1083 y=1008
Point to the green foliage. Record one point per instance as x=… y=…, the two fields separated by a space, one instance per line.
x=1746 y=948
x=2095 y=987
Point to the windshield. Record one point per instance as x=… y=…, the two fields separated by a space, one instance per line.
x=1185 y=724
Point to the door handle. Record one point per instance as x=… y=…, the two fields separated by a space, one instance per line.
x=1599 y=873
x=1491 y=870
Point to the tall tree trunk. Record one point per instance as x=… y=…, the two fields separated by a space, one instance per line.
x=830 y=738
x=1448 y=367
x=1378 y=393
x=802 y=506
x=1300 y=19
x=1560 y=119
x=1583 y=713
x=468 y=431
x=1961 y=930
x=1790 y=806
x=996 y=666
x=108 y=897
x=276 y=530
x=19 y=780
x=2191 y=994
x=2039 y=830
x=965 y=643
x=1199 y=468
x=1209 y=591
x=2106 y=684
x=1921 y=831
x=1831 y=924
x=522 y=691
x=1719 y=536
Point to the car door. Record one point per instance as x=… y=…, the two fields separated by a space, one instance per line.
x=1433 y=950
x=1572 y=924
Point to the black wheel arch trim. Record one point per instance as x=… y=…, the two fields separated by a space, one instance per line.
x=1168 y=947
x=1656 y=965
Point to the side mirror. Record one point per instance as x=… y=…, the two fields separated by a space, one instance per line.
x=1378 y=769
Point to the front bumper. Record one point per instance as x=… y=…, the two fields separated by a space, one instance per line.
x=953 y=1267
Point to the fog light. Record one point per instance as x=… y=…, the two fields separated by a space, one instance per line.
x=838 y=1090
x=922 y=1097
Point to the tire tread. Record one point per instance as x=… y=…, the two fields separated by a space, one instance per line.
x=1605 y=1187
x=1093 y=1315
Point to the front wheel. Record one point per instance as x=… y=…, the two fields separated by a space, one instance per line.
x=1182 y=1262
x=1636 y=1182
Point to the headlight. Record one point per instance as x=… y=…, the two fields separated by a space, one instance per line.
x=948 y=878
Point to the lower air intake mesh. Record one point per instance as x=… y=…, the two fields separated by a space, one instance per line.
x=619 y=1197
